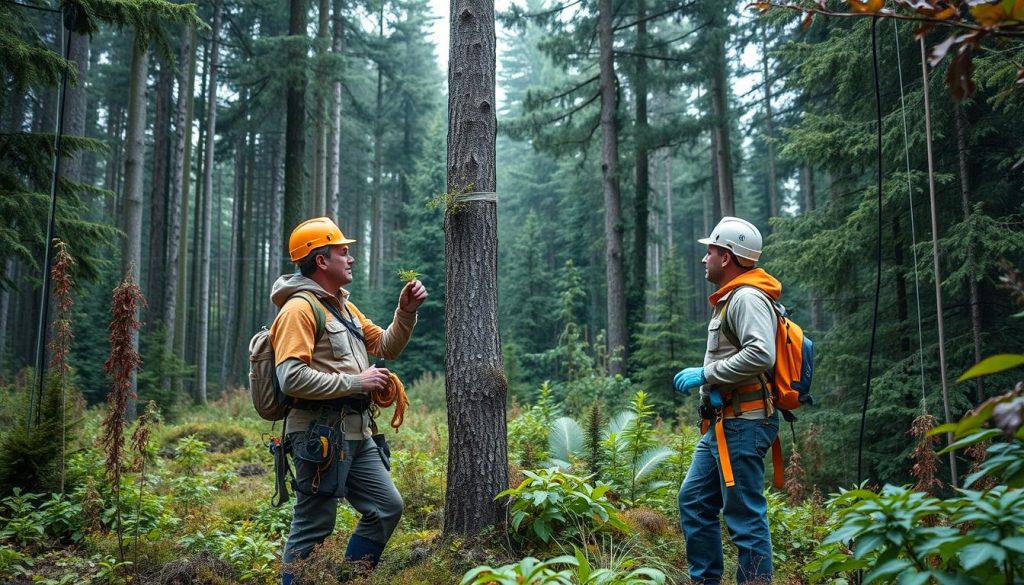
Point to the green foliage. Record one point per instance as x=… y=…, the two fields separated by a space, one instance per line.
x=532 y=428
x=578 y=571
x=29 y=523
x=552 y=502
x=900 y=532
x=670 y=340
x=32 y=459
x=161 y=365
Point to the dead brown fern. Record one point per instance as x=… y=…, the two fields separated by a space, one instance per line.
x=60 y=344
x=795 y=478
x=121 y=366
x=926 y=461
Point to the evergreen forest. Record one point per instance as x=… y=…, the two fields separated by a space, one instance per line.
x=545 y=168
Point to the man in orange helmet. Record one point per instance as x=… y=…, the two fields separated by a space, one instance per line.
x=324 y=369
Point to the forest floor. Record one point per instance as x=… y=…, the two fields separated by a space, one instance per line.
x=199 y=511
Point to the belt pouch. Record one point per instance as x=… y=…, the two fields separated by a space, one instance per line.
x=384 y=449
x=322 y=462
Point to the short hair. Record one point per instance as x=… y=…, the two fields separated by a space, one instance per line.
x=307 y=265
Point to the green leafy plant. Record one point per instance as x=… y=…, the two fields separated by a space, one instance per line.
x=919 y=538
x=578 y=571
x=554 y=502
x=408 y=275
x=528 y=570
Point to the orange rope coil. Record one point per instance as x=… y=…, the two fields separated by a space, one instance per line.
x=393 y=393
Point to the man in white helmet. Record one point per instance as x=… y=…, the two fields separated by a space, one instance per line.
x=726 y=475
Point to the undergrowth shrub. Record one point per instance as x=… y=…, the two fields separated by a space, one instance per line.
x=553 y=503
x=421 y=482
x=217 y=437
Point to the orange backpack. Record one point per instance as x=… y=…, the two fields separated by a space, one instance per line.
x=790 y=379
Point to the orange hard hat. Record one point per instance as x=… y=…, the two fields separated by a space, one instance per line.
x=312 y=234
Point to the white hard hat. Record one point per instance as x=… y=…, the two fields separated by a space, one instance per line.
x=738 y=236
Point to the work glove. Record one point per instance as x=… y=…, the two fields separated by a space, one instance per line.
x=688 y=379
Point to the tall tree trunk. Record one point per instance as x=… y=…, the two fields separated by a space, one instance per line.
x=321 y=126
x=295 y=129
x=475 y=384
x=203 y=320
x=75 y=104
x=275 y=246
x=5 y=309
x=960 y=120
x=668 y=204
x=234 y=260
x=176 y=202
x=902 y=306
x=769 y=122
x=807 y=190
x=377 y=204
x=719 y=90
x=637 y=293
x=134 y=167
x=194 y=258
x=158 y=194
x=618 y=337
x=112 y=180
x=184 y=303
x=334 y=158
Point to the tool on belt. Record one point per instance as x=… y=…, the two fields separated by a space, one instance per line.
x=714 y=411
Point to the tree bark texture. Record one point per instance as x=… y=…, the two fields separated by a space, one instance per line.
x=203 y=318
x=377 y=203
x=769 y=123
x=134 y=167
x=960 y=121
x=334 y=154
x=75 y=104
x=641 y=201
x=183 y=300
x=475 y=383
x=175 y=202
x=158 y=194
x=618 y=336
x=295 y=129
x=720 y=113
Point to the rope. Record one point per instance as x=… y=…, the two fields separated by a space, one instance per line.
x=935 y=260
x=393 y=393
x=878 y=246
x=913 y=230
x=44 y=293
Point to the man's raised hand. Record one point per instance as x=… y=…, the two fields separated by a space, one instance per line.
x=413 y=295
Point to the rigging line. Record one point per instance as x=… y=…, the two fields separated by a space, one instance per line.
x=935 y=260
x=878 y=244
x=913 y=231
x=44 y=294
x=31 y=7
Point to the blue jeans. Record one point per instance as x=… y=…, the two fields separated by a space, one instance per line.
x=704 y=495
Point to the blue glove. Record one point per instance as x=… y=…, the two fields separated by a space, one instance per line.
x=688 y=379
x=715 y=398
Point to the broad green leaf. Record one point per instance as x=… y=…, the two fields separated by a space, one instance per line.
x=977 y=554
x=887 y=569
x=1014 y=543
x=993 y=365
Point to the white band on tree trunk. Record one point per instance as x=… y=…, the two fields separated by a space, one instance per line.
x=476 y=196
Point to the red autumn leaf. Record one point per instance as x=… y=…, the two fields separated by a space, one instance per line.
x=958 y=76
x=760 y=6
x=867 y=6
x=946 y=13
x=808 y=19
x=989 y=14
x=924 y=29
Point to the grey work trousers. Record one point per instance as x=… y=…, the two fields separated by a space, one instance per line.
x=370 y=491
